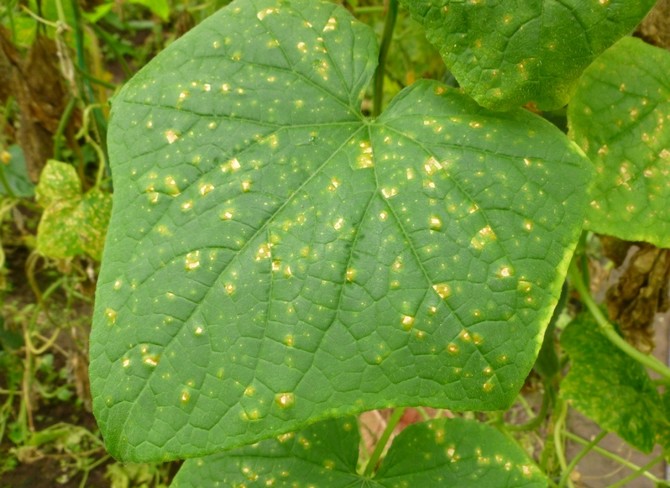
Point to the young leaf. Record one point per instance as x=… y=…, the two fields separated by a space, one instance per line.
x=71 y=223
x=606 y=386
x=443 y=452
x=620 y=116
x=506 y=54
x=274 y=258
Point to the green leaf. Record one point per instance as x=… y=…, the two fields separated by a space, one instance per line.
x=608 y=387
x=274 y=258
x=72 y=223
x=443 y=452
x=58 y=181
x=159 y=7
x=325 y=453
x=457 y=452
x=509 y=53
x=620 y=116
x=15 y=174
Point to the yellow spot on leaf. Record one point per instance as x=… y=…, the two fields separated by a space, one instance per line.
x=484 y=236
x=442 y=289
x=192 y=261
x=110 y=314
x=171 y=136
x=285 y=400
x=205 y=188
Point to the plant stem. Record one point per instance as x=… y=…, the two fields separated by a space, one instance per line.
x=561 y=414
x=536 y=420
x=619 y=459
x=383 y=440
x=62 y=124
x=587 y=448
x=642 y=471
x=608 y=329
x=387 y=37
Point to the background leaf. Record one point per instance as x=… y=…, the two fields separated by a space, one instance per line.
x=72 y=223
x=620 y=116
x=443 y=452
x=275 y=258
x=15 y=174
x=606 y=386
x=58 y=181
x=506 y=54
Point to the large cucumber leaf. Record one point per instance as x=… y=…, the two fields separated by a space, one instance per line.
x=274 y=258
x=620 y=116
x=443 y=452
x=512 y=52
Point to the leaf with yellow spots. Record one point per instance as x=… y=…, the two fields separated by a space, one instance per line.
x=620 y=116
x=511 y=53
x=442 y=452
x=331 y=263
x=605 y=385
x=72 y=223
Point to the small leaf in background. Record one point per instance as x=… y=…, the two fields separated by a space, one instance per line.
x=443 y=452
x=606 y=386
x=15 y=173
x=159 y=7
x=275 y=258
x=620 y=116
x=72 y=223
x=58 y=181
x=510 y=53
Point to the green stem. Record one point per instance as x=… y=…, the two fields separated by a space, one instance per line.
x=573 y=464
x=619 y=459
x=643 y=470
x=368 y=10
x=88 y=94
x=383 y=440
x=537 y=420
x=3 y=180
x=562 y=413
x=387 y=37
x=608 y=329
x=62 y=124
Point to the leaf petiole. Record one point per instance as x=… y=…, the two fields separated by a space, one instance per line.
x=387 y=37
x=608 y=329
x=383 y=440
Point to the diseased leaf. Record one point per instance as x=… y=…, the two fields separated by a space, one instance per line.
x=72 y=223
x=325 y=454
x=620 y=116
x=506 y=54
x=58 y=181
x=274 y=258
x=444 y=452
x=606 y=386
x=457 y=452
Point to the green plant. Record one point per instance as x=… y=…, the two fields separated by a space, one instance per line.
x=277 y=261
